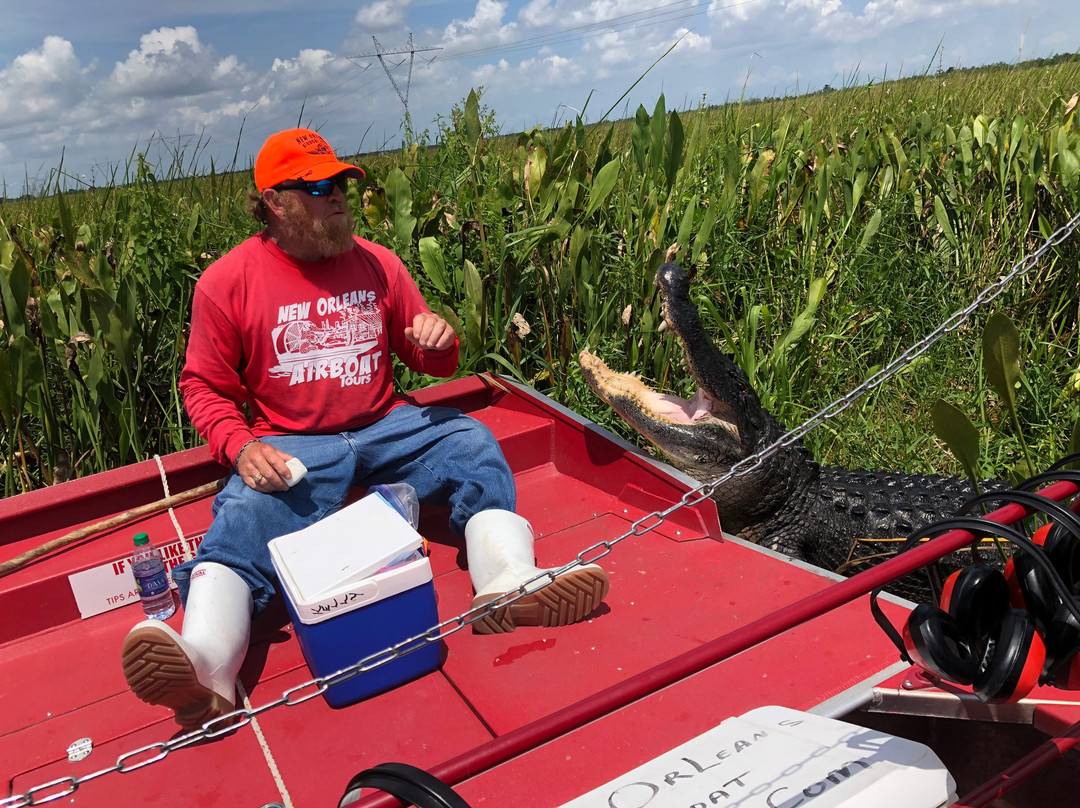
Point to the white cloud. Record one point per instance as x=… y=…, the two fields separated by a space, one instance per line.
x=572 y=13
x=311 y=72
x=227 y=68
x=485 y=27
x=538 y=13
x=383 y=15
x=898 y=12
x=689 y=41
x=614 y=50
x=172 y=62
x=553 y=71
x=840 y=20
x=42 y=83
x=529 y=75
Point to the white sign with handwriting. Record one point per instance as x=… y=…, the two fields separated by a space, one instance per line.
x=775 y=757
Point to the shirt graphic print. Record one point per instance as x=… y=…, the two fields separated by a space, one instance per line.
x=334 y=338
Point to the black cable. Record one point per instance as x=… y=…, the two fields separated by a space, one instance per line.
x=1052 y=475
x=408 y=783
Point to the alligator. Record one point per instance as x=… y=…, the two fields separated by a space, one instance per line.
x=825 y=515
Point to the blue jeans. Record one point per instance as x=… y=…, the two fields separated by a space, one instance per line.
x=450 y=459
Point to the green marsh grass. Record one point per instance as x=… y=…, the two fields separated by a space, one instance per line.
x=828 y=233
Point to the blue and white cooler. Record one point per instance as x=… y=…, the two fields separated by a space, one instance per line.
x=355 y=584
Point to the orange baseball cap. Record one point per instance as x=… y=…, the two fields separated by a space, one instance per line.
x=298 y=154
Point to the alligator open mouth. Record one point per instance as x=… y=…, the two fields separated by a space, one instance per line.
x=633 y=399
x=706 y=433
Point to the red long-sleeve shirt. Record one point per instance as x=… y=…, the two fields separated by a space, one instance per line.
x=304 y=346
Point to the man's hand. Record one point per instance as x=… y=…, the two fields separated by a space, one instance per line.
x=430 y=332
x=263 y=467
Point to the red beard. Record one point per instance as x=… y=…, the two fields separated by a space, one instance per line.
x=323 y=237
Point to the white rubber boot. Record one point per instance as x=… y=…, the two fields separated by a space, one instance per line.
x=500 y=549
x=194 y=673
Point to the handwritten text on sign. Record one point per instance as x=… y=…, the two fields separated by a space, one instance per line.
x=775 y=757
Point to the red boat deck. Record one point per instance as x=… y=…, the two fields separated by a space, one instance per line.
x=573 y=707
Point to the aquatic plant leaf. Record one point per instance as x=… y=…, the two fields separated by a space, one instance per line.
x=399 y=206
x=470 y=120
x=957 y=432
x=7 y=388
x=640 y=137
x=602 y=185
x=942 y=217
x=1001 y=357
x=433 y=263
x=15 y=290
x=473 y=306
x=870 y=230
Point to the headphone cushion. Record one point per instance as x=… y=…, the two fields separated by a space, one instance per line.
x=1012 y=661
x=936 y=642
x=1063 y=549
x=1030 y=588
x=1063 y=650
x=978 y=598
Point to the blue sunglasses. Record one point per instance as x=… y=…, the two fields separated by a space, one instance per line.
x=318 y=188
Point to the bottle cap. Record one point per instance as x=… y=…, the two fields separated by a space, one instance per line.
x=141 y=539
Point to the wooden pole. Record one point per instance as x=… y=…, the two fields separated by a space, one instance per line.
x=106 y=524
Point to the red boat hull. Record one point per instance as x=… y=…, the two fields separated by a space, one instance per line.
x=531 y=718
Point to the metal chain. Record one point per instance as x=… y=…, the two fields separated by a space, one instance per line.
x=152 y=753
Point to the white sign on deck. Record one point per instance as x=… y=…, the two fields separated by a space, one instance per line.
x=111 y=585
x=774 y=757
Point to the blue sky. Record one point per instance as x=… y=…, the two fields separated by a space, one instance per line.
x=95 y=81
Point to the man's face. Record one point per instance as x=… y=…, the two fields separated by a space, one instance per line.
x=313 y=227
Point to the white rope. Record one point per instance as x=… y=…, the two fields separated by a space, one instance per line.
x=271 y=764
x=185 y=548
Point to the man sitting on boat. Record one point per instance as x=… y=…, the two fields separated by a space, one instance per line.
x=288 y=377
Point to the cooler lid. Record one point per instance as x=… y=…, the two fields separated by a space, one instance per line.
x=347 y=546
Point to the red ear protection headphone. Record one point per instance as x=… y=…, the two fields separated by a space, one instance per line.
x=1060 y=540
x=1048 y=590
x=951 y=641
x=1030 y=588
x=1062 y=547
x=974 y=638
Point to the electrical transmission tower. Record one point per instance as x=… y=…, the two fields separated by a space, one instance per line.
x=381 y=53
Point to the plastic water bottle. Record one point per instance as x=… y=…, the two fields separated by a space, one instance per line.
x=151 y=581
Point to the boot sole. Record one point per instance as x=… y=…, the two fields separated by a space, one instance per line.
x=570 y=598
x=159 y=672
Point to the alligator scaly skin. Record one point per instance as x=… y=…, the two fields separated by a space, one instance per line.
x=828 y=522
